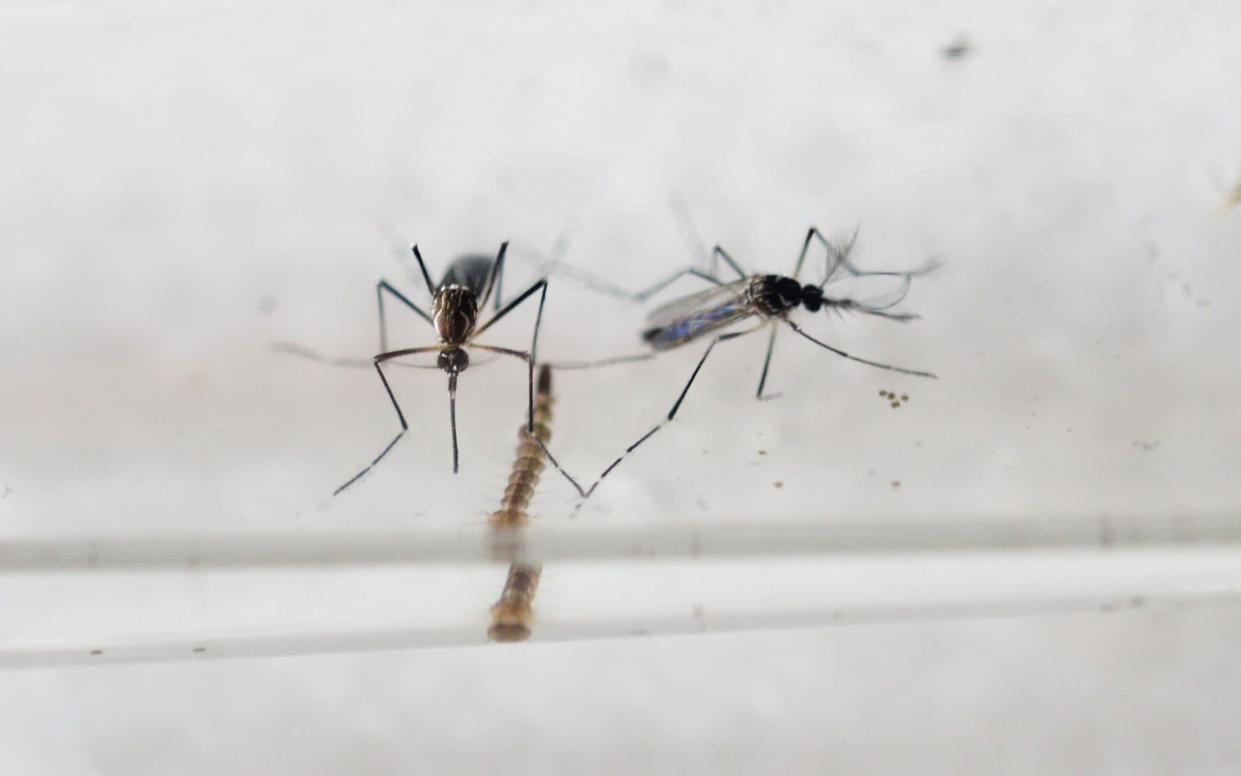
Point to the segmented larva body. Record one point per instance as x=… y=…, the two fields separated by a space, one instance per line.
x=513 y=614
x=528 y=464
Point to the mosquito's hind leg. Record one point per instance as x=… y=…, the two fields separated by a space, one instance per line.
x=668 y=419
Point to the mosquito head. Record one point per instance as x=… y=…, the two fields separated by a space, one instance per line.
x=812 y=297
x=454 y=361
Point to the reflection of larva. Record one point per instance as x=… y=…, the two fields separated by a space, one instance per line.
x=512 y=615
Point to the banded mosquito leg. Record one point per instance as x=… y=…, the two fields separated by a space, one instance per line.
x=670 y=417
x=400 y=416
x=380 y=288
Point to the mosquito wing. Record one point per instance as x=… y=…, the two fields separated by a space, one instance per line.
x=690 y=317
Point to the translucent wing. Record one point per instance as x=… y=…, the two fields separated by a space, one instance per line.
x=693 y=316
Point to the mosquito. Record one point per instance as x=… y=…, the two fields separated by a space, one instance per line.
x=769 y=298
x=469 y=283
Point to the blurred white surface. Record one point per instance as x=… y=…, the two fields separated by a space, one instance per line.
x=182 y=186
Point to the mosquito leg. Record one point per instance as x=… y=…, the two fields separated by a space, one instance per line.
x=422 y=265
x=495 y=278
x=540 y=285
x=293 y=349
x=380 y=288
x=530 y=356
x=395 y=405
x=668 y=419
x=602 y=362
x=762 y=380
x=600 y=285
x=805 y=247
x=838 y=256
x=647 y=293
x=529 y=359
x=842 y=353
x=729 y=260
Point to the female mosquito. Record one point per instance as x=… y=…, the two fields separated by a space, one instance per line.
x=769 y=298
x=468 y=284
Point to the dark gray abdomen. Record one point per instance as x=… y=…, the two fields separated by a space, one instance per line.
x=470 y=271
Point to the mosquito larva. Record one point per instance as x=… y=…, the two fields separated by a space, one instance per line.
x=513 y=614
x=528 y=463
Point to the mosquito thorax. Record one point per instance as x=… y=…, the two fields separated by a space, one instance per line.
x=453 y=360
x=775 y=294
x=455 y=314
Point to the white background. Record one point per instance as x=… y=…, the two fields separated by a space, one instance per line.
x=182 y=187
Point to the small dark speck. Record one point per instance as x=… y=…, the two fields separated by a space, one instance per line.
x=762 y=452
x=200 y=650
x=96 y=651
x=958 y=49
x=896 y=483
x=1145 y=446
x=918 y=443
x=778 y=483
x=7 y=491
x=266 y=305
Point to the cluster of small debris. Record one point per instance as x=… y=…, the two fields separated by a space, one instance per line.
x=893 y=399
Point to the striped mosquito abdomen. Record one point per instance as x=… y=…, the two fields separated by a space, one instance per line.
x=528 y=463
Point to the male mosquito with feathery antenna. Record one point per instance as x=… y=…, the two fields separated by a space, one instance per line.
x=469 y=283
x=770 y=298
